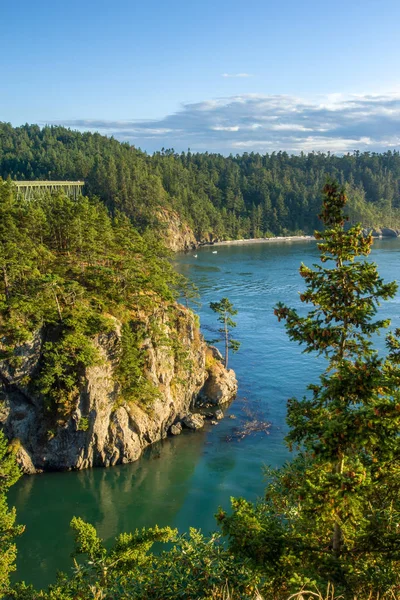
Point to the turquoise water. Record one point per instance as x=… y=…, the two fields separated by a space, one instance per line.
x=182 y=481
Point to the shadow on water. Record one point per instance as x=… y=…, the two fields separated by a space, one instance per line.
x=123 y=498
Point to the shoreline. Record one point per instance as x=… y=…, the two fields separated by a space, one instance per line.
x=288 y=238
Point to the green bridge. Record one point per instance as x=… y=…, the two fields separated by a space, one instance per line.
x=29 y=188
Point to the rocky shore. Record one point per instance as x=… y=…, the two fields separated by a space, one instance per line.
x=102 y=430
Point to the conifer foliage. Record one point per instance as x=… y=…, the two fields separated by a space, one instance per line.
x=350 y=425
x=332 y=513
x=9 y=474
x=224 y=308
x=69 y=270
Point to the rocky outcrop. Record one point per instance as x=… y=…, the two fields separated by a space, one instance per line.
x=221 y=384
x=176 y=233
x=389 y=232
x=176 y=429
x=102 y=430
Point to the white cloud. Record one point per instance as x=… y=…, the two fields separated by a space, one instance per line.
x=236 y=75
x=221 y=128
x=267 y=123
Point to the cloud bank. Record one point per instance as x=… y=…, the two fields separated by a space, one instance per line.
x=265 y=124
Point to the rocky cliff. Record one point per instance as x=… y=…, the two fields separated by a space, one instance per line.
x=103 y=429
x=178 y=235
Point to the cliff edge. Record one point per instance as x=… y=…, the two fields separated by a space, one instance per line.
x=103 y=429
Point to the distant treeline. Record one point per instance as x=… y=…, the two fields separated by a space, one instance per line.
x=250 y=195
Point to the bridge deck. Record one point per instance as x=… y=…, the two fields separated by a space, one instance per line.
x=27 y=188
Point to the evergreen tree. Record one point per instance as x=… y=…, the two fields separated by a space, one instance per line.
x=347 y=426
x=9 y=474
x=332 y=513
x=224 y=308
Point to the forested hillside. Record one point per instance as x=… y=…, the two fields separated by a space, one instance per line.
x=70 y=271
x=251 y=195
x=327 y=526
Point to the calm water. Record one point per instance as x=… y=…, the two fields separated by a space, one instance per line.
x=182 y=481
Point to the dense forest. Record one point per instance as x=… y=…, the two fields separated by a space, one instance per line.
x=71 y=271
x=329 y=519
x=249 y=195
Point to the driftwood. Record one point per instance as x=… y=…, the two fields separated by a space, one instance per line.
x=252 y=422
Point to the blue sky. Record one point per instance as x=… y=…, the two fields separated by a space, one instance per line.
x=219 y=76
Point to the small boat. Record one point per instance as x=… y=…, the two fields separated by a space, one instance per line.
x=194 y=255
x=215 y=251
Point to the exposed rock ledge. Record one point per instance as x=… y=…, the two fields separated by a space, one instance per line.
x=99 y=432
x=177 y=233
x=221 y=384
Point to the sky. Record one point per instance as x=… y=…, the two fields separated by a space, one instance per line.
x=218 y=76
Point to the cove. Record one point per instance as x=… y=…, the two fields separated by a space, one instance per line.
x=181 y=481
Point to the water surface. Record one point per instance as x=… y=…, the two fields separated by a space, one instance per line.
x=182 y=481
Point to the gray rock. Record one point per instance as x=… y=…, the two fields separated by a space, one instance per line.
x=113 y=435
x=25 y=461
x=376 y=232
x=176 y=429
x=389 y=232
x=193 y=421
x=221 y=384
x=382 y=232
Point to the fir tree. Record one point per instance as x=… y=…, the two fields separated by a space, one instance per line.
x=224 y=308
x=332 y=513
x=347 y=426
x=9 y=474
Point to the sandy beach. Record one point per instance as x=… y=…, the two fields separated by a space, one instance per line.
x=288 y=238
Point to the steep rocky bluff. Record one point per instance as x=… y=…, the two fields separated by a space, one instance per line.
x=178 y=235
x=104 y=430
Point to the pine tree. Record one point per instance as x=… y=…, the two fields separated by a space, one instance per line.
x=224 y=308
x=348 y=430
x=332 y=513
x=9 y=474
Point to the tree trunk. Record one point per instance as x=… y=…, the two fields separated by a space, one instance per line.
x=58 y=305
x=337 y=531
x=226 y=344
x=6 y=284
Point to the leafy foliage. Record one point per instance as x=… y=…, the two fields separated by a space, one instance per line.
x=130 y=372
x=194 y=567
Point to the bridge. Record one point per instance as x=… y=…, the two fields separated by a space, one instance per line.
x=29 y=188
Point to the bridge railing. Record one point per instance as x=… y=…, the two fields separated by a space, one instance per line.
x=28 y=188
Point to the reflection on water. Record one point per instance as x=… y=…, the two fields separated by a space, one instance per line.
x=182 y=481
x=118 y=499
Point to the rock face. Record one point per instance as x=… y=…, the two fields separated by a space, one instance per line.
x=221 y=385
x=389 y=232
x=177 y=235
x=102 y=431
